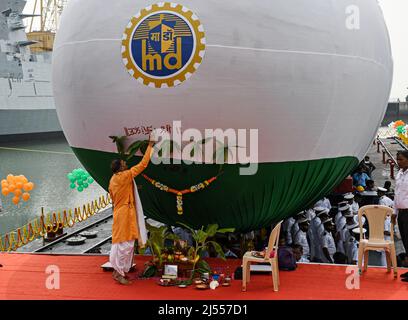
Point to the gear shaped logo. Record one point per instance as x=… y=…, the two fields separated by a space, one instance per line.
x=163 y=45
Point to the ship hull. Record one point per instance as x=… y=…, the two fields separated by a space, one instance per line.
x=16 y=122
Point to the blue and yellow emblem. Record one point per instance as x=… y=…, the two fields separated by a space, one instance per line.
x=163 y=45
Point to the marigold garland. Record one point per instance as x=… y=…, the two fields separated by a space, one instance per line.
x=180 y=193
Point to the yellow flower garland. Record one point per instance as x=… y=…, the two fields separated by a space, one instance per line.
x=180 y=193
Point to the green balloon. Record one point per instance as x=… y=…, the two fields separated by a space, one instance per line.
x=72 y=179
x=90 y=180
x=72 y=186
x=85 y=185
x=80 y=189
x=80 y=182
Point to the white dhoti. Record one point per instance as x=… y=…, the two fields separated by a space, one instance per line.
x=121 y=256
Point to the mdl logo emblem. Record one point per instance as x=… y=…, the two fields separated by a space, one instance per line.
x=163 y=45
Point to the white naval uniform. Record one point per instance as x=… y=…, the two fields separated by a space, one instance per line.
x=363 y=219
x=301 y=239
x=312 y=245
x=337 y=217
x=342 y=238
x=385 y=201
x=340 y=223
x=315 y=227
x=310 y=214
x=294 y=230
x=324 y=203
x=351 y=249
x=328 y=242
x=354 y=207
x=387 y=227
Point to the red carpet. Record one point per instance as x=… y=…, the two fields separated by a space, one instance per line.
x=23 y=276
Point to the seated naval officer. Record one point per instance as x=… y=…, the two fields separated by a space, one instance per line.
x=339 y=212
x=351 y=244
x=384 y=200
x=325 y=203
x=341 y=234
x=295 y=226
x=328 y=245
x=317 y=229
x=301 y=238
x=349 y=197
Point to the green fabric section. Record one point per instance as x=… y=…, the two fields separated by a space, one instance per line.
x=277 y=191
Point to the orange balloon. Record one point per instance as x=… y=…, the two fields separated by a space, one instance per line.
x=10 y=178
x=26 y=196
x=16 y=200
x=4 y=182
x=26 y=186
x=24 y=179
x=12 y=187
x=5 y=192
x=18 y=192
x=31 y=185
x=19 y=185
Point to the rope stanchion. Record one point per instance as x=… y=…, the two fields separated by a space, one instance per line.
x=51 y=222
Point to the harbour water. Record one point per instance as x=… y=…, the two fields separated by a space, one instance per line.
x=46 y=163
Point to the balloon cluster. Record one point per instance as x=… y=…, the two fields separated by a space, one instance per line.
x=79 y=179
x=16 y=185
x=399 y=128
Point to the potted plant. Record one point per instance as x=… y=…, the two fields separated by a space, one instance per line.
x=202 y=243
x=156 y=244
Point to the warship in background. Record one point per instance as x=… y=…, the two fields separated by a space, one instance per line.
x=26 y=98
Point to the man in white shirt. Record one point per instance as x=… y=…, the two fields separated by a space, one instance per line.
x=401 y=199
x=383 y=199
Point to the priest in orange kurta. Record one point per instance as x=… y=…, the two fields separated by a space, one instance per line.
x=125 y=228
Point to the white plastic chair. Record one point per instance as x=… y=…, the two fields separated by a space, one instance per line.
x=272 y=259
x=376 y=216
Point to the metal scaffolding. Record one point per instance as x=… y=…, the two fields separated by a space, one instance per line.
x=49 y=12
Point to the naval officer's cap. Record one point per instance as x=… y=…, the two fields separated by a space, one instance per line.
x=348 y=196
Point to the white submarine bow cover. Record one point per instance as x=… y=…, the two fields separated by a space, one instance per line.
x=313 y=81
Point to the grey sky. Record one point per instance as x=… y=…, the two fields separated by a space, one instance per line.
x=395 y=12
